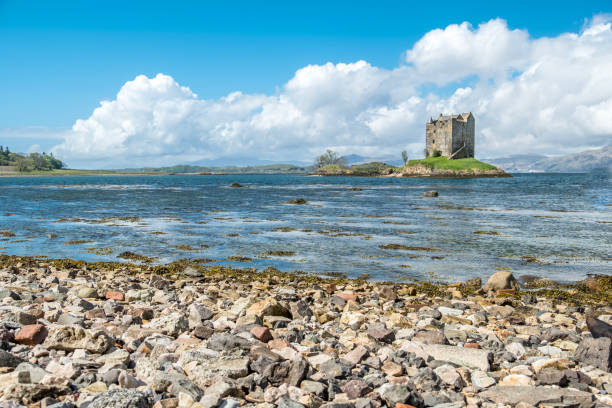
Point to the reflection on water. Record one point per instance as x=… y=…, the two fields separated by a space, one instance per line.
x=558 y=226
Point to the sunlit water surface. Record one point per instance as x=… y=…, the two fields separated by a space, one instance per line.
x=552 y=225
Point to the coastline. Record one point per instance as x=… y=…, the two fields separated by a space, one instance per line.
x=78 y=174
x=582 y=291
x=112 y=334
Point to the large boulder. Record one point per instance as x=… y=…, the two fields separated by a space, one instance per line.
x=121 y=398
x=171 y=324
x=501 y=280
x=394 y=395
x=595 y=352
x=70 y=338
x=85 y=292
x=268 y=307
x=599 y=328
x=461 y=356
x=31 y=334
x=9 y=360
x=198 y=313
x=512 y=395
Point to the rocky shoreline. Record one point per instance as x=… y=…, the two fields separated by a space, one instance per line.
x=418 y=171
x=119 y=335
x=424 y=171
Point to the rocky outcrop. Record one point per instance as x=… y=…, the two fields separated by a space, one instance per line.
x=420 y=170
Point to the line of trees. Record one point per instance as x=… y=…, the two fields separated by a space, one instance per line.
x=33 y=161
x=330 y=157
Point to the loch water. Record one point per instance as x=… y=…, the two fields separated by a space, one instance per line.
x=557 y=226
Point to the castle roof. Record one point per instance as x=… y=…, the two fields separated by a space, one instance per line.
x=444 y=118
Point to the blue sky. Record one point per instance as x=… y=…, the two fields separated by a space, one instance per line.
x=61 y=58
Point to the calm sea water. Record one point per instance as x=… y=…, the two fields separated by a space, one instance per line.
x=552 y=225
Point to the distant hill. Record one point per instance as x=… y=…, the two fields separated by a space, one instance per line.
x=264 y=169
x=242 y=162
x=232 y=166
x=518 y=163
x=357 y=159
x=594 y=160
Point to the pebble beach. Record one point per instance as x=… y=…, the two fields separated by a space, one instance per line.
x=88 y=335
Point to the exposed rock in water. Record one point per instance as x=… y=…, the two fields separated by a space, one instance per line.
x=431 y=193
x=501 y=280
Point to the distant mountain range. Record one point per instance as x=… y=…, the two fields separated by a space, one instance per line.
x=357 y=159
x=594 y=160
x=236 y=166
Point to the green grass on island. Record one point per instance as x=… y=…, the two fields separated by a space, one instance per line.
x=442 y=163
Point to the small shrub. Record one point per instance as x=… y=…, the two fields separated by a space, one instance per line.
x=437 y=153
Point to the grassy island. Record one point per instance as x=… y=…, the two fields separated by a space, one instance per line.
x=429 y=167
x=443 y=167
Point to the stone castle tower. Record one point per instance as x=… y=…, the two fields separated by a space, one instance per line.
x=451 y=135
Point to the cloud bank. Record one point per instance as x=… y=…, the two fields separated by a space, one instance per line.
x=529 y=95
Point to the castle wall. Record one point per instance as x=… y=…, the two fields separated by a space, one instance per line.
x=470 y=136
x=438 y=137
x=463 y=134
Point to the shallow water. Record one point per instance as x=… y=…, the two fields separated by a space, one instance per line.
x=563 y=220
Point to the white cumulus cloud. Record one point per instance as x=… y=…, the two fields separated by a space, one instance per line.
x=547 y=95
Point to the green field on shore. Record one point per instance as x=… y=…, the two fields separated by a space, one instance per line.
x=68 y=172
